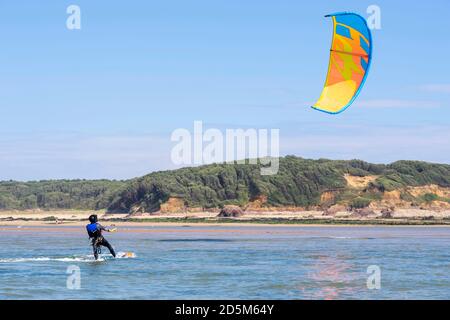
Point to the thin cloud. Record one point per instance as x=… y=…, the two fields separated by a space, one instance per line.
x=437 y=88
x=375 y=144
x=35 y=157
x=78 y=156
x=398 y=103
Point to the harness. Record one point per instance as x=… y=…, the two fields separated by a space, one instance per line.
x=96 y=244
x=96 y=241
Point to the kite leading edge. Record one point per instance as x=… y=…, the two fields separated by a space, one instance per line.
x=350 y=58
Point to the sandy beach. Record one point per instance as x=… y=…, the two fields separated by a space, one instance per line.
x=39 y=218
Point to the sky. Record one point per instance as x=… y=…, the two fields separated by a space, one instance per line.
x=102 y=101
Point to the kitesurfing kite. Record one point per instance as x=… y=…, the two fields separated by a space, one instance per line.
x=350 y=57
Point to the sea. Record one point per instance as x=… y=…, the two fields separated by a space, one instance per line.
x=227 y=262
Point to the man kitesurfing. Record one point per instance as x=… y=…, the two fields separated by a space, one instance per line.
x=94 y=230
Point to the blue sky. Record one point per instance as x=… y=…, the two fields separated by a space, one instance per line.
x=101 y=102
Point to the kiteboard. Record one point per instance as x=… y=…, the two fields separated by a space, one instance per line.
x=126 y=254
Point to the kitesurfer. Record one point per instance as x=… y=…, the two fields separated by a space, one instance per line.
x=94 y=230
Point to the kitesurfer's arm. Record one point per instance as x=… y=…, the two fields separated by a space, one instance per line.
x=100 y=227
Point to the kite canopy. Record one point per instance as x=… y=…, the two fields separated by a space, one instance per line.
x=350 y=57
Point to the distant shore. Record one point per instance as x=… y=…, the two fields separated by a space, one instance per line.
x=310 y=218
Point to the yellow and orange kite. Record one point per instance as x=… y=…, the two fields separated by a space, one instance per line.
x=350 y=57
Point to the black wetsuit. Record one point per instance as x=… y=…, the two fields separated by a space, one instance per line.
x=98 y=240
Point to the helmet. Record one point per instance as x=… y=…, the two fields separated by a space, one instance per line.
x=93 y=218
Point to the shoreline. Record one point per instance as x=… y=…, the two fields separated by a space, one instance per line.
x=299 y=218
x=172 y=222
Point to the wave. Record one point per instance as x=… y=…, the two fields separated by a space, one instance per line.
x=343 y=237
x=78 y=258
x=41 y=259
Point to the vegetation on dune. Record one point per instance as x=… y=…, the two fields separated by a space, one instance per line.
x=359 y=203
x=58 y=194
x=299 y=182
x=413 y=173
x=430 y=197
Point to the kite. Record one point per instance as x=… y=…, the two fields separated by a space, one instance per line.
x=350 y=58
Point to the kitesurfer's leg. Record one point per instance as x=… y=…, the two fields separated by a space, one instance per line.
x=105 y=243
x=94 y=247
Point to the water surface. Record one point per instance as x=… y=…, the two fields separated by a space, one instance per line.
x=228 y=262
